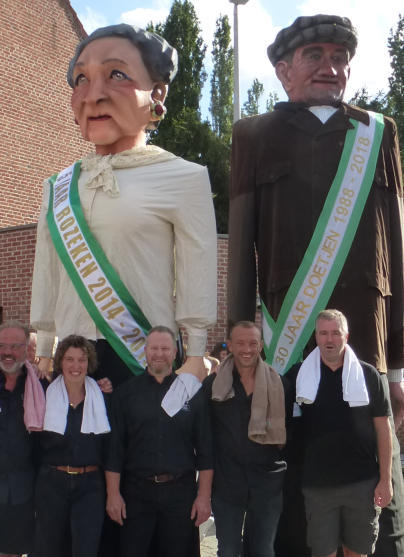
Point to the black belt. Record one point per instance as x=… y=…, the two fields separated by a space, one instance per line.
x=165 y=478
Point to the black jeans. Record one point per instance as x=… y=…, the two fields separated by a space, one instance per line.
x=159 y=512
x=259 y=516
x=70 y=513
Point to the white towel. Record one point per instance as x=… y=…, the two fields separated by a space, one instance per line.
x=354 y=388
x=183 y=389
x=95 y=418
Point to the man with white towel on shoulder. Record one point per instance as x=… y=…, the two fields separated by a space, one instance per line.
x=347 y=438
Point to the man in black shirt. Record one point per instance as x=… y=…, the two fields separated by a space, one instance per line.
x=248 y=423
x=347 y=442
x=16 y=446
x=153 y=458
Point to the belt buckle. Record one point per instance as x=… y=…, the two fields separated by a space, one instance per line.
x=71 y=472
x=157 y=481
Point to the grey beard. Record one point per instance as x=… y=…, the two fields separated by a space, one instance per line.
x=14 y=369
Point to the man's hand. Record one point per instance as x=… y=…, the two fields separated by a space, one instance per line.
x=116 y=507
x=397 y=402
x=194 y=365
x=105 y=385
x=201 y=509
x=383 y=493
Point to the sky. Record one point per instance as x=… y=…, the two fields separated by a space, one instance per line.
x=258 y=23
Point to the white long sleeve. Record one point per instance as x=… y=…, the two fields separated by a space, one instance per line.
x=161 y=209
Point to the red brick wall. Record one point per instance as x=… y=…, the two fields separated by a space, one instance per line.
x=17 y=250
x=219 y=332
x=38 y=135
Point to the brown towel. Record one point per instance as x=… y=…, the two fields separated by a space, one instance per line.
x=267 y=421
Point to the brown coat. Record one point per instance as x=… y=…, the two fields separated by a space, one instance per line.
x=283 y=164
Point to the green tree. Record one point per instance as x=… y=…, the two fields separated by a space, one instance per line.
x=221 y=94
x=392 y=102
x=181 y=29
x=377 y=103
x=251 y=106
x=216 y=156
x=271 y=101
x=182 y=132
x=395 y=97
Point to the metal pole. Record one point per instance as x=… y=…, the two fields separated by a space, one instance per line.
x=236 y=114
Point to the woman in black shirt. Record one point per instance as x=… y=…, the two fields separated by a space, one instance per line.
x=70 y=492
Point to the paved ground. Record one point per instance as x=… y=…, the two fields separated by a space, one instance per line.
x=208 y=542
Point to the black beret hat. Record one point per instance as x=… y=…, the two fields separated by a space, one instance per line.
x=314 y=29
x=160 y=59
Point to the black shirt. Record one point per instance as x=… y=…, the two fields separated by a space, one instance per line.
x=340 y=441
x=16 y=445
x=146 y=441
x=240 y=464
x=73 y=448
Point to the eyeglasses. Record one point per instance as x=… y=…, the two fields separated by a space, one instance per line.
x=13 y=346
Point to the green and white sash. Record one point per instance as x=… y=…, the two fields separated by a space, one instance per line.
x=105 y=297
x=314 y=282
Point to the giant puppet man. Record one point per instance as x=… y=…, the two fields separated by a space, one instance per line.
x=316 y=190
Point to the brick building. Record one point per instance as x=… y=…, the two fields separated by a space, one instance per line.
x=37 y=132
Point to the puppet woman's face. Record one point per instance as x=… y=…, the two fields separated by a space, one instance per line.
x=112 y=94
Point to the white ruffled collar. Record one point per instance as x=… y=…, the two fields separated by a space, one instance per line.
x=100 y=167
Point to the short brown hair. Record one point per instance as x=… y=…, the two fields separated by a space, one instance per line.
x=246 y=325
x=162 y=329
x=334 y=315
x=75 y=341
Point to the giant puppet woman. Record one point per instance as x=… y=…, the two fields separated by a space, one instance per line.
x=126 y=237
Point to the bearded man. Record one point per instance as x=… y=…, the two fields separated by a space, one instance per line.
x=22 y=405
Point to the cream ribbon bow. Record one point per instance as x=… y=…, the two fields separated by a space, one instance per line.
x=100 y=167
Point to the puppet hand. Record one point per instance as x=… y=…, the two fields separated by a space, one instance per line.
x=105 y=385
x=44 y=367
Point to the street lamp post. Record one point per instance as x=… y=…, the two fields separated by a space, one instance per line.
x=236 y=59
